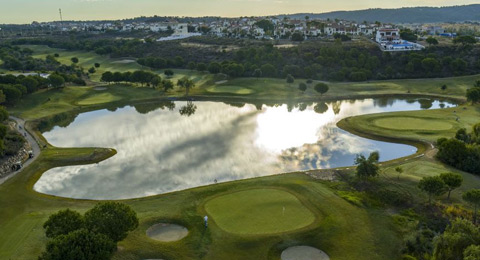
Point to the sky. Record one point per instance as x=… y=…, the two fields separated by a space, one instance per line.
x=26 y=11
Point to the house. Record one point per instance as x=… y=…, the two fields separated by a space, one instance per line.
x=388 y=36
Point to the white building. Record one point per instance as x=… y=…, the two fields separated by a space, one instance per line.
x=388 y=36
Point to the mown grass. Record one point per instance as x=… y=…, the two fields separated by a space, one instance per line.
x=416 y=125
x=346 y=229
x=259 y=212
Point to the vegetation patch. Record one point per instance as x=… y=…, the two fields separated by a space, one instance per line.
x=412 y=123
x=98 y=99
x=259 y=212
x=230 y=90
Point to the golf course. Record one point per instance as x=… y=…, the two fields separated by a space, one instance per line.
x=251 y=218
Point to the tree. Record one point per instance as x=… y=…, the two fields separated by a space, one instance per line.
x=472 y=253
x=214 y=67
x=433 y=186
x=266 y=25
x=201 y=66
x=257 y=73
x=302 y=87
x=107 y=77
x=452 y=181
x=398 y=170
x=74 y=60
x=473 y=95
x=167 y=85
x=443 y=87
x=408 y=35
x=112 y=219
x=97 y=65
x=473 y=197
x=453 y=243
x=367 y=167
x=91 y=70
x=30 y=83
x=169 y=73
x=268 y=70
x=56 y=80
x=186 y=83
x=321 y=88
x=465 y=40
x=79 y=245
x=290 y=78
x=431 y=41
x=12 y=94
x=297 y=36
x=155 y=81
x=63 y=222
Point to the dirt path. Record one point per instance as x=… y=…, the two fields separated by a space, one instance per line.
x=35 y=147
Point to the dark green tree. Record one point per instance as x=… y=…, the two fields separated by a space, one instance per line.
x=452 y=244
x=79 y=245
x=63 y=222
x=367 y=167
x=452 y=181
x=302 y=87
x=290 y=79
x=473 y=197
x=56 y=81
x=74 y=60
x=431 y=41
x=112 y=219
x=433 y=186
x=321 y=88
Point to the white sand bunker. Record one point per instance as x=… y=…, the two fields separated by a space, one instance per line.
x=99 y=88
x=167 y=232
x=123 y=61
x=303 y=253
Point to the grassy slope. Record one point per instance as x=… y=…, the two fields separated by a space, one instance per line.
x=425 y=166
x=345 y=232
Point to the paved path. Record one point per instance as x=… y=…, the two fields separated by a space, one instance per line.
x=30 y=140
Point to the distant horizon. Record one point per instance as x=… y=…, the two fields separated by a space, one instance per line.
x=15 y=12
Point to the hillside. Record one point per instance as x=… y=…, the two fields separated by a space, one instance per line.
x=404 y=15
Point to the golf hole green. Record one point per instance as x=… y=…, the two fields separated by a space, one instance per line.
x=303 y=253
x=259 y=212
x=167 y=232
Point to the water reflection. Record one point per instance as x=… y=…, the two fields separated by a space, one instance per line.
x=160 y=151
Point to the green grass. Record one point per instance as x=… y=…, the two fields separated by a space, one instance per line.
x=272 y=89
x=259 y=212
x=412 y=123
x=344 y=227
x=229 y=90
x=416 y=125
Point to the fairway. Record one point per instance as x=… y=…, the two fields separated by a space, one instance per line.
x=230 y=90
x=412 y=123
x=98 y=99
x=259 y=212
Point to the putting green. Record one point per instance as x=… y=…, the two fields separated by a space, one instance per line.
x=98 y=99
x=412 y=123
x=259 y=212
x=230 y=89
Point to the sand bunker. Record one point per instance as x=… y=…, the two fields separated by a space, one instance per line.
x=303 y=253
x=99 y=88
x=167 y=232
x=123 y=61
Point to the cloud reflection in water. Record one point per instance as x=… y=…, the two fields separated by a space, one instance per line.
x=161 y=151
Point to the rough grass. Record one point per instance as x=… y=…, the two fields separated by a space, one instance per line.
x=259 y=211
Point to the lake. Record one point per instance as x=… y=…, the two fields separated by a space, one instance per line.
x=179 y=145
